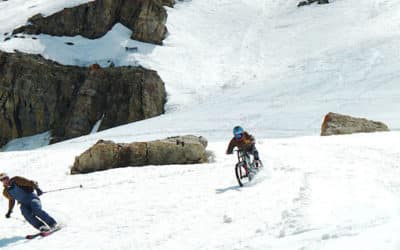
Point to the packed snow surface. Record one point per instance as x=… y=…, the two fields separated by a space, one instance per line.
x=315 y=193
x=267 y=65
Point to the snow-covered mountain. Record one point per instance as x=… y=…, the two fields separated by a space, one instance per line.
x=275 y=69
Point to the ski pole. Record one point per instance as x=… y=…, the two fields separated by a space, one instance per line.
x=61 y=189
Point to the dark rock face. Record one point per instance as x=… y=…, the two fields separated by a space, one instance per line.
x=169 y=3
x=146 y=18
x=337 y=124
x=303 y=3
x=37 y=95
x=105 y=155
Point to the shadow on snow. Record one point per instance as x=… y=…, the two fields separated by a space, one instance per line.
x=7 y=241
x=223 y=190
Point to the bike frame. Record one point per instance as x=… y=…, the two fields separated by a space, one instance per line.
x=244 y=157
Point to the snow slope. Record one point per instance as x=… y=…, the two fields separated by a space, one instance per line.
x=286 y=67
x=329 y=193
x=275 y=69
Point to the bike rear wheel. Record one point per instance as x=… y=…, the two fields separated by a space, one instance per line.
x=242 y=174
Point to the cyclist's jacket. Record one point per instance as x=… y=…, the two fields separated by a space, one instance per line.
x=243 y=144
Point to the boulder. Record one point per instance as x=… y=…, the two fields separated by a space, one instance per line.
x=337 y=124
x=146 y=18
x=105 y=155
x=302 y=3
x=38 y=95
x=308 y=2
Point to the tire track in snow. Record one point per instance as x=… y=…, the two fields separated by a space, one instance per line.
x=293 y=218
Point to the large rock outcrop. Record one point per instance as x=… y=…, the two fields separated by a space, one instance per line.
x=38 y=95
x=337 y=124
x=146 y=18
x=105 y=155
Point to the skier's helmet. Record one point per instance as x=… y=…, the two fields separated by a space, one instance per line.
x=238 y=132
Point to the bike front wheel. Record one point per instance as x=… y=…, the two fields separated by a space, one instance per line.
x=242 y=174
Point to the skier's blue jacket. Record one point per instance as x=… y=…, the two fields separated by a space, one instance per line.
x=21 y=195
x=20 y=189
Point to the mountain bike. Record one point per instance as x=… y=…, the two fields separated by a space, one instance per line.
x=246 y=168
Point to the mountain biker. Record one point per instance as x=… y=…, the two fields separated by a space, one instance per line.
x=245 y=142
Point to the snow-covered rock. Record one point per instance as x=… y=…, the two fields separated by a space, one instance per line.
x=146 y=18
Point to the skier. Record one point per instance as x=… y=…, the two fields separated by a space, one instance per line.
x=245 y=142
x=21 y=189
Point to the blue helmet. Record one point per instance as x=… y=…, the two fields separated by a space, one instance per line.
x=238 y=132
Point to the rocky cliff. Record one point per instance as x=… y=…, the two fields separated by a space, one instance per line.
x=146 y=18
x=38 y=95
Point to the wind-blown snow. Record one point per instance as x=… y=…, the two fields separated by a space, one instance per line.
x=275 y=69
x=28 y=143
x=96 y=126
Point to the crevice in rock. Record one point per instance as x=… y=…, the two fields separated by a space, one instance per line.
x=17 y=121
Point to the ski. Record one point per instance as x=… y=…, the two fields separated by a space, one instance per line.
x=42 y=234
x=32 y=236
x=47 y=233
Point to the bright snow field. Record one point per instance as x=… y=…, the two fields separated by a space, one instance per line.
x=275 y=69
